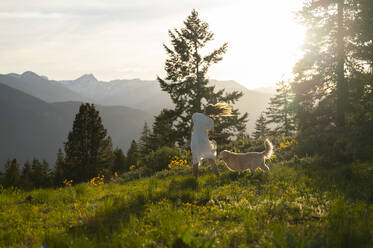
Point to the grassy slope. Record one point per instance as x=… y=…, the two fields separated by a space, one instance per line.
x=286 y=207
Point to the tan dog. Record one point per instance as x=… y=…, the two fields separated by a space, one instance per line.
x=250 y=160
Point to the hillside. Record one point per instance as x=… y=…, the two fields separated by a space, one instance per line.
x=32 y=128
x=299 y=203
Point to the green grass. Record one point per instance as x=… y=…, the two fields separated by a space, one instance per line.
x=297 y=204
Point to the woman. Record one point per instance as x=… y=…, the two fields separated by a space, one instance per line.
x=202 y=147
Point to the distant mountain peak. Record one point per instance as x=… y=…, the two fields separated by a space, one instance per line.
x=30 y=75
x=27 y=73
x=87 y=78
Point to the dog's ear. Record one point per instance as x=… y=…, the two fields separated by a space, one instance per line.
x=222 y=154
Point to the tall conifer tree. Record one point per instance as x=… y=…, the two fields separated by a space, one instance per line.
x=26 y=176
x=324 y=74
x=187 y=82
x=40 y=173
x=120 y=161
x=133 y=154
x=12 y=173
x=144 y=142
x=88 y=148
x=59 y=173
x=261 y=129
x=163 y=131
x=280 y=111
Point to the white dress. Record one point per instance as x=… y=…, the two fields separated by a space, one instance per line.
x=201 y=146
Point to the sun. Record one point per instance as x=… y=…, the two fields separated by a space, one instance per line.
x=264 y=41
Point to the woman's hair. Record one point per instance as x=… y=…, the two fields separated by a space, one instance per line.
x=218 y=110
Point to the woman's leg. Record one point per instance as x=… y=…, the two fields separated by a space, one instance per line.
x=195 y=170
x=214 y=167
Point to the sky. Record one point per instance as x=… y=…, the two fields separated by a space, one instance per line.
x=123 y=39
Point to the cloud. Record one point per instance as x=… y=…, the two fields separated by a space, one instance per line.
x=29 y=15
x=109 y=9
x=123 y=38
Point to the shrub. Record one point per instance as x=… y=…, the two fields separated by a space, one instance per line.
x=158 y=160
x=134 y=175
x=349 y=224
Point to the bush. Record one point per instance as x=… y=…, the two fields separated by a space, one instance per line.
x=134 y=175
x=158 y=160
x=349 y=224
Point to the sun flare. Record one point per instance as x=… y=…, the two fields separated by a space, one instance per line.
x=264 y=41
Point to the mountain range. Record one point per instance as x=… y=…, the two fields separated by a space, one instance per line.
x=145 y=95
x=32 y=128
x=37 y=113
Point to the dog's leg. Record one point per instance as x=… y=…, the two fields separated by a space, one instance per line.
x=264 y=167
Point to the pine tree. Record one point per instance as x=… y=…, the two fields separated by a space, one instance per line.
x=163 y=132
x=40 y=173
x=319 y=78
x=360 y=118
x=47 y=181
x=280 y=110
x=144 y=142
x=59 y=173
x=261 y=129
x=320 y=74
x=12 y=175
x=88 y=148
x=26 y=176
x=37 y=173
x=186 y=81
x=363 y=36
x=120 y=161
x=321 y=89
x=133 y=154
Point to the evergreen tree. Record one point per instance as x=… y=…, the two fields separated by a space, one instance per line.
x=40 y=173
x=144 y=142
x=120 y=161
x=186 y=81
x=133 y=154
x=47 y=182
x=88 y=148
x=261 y=129
x=361 y=93
x=12 y=177
x=341 y=83
x=59 y=173
x=280 y=110
x=26 y=177
x=363 y=36
x=163 y=132
x=322 y=97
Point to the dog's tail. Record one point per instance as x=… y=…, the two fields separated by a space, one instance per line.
x=269 y=149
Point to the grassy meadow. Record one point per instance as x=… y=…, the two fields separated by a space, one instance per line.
x=299 y=203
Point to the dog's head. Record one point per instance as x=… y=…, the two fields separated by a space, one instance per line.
x=223 y=155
